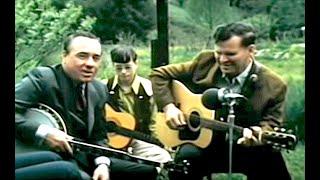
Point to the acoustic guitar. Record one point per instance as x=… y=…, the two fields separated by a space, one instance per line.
x=201 y=122
x=121 y=129
x=46 y=115
x=120 y=119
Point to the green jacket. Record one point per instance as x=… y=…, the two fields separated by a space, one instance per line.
x=143 y=107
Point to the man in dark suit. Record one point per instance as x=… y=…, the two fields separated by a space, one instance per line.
x=42 y=165
x=71 y=90
x=232 y=66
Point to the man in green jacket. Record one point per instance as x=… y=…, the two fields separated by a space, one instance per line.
x=233 y=66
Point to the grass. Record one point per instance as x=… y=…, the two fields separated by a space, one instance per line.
x=294 y=160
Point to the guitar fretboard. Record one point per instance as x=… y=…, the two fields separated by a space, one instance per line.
x=215 y=124
x=134 y=134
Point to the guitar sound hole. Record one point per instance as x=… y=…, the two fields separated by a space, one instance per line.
x=187 y=133
x=194 y=119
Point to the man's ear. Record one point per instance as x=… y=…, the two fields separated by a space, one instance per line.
x=63 y=57
x=252 y=49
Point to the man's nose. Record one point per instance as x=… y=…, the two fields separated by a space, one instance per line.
x=90 y=62
x=123 y=70
x=223 y=58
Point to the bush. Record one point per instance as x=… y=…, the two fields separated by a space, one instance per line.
x=295 y=110
x=288 y=61
x=121 y=16
x=263 y=23
x=183 y=30
x=288 y=16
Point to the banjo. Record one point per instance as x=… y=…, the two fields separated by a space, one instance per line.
x=44 y=114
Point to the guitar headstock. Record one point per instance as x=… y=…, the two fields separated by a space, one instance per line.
x=182 y=167
x=280 y=138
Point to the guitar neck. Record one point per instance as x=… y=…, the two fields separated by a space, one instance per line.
x=219 y=125
x=136 y=135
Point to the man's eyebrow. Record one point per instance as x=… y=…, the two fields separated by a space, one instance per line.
x=87 y=53
x=81 y=52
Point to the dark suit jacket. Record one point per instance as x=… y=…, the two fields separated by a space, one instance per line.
x=51 y=86
x=264 y=89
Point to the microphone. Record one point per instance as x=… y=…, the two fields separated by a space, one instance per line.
x=214 y=98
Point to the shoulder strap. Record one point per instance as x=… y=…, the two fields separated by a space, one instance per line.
x=113 y=95
x=109 y=83
x=142 y=110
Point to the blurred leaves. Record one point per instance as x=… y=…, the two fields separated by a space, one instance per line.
x=40 y=28
x=211 y=13
x=118 y=17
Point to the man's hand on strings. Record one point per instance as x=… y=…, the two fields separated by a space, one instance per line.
x=174 y=116
x=58 y=141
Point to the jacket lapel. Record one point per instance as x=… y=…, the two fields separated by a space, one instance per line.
x=66 y=91
x=252 y=81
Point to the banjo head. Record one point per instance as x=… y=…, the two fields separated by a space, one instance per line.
x=43 y=114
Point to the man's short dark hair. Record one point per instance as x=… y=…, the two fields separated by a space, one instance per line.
x=67 y=42
x=225 y=32
x=123 y=54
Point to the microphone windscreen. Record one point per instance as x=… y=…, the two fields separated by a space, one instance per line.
x=210 y=99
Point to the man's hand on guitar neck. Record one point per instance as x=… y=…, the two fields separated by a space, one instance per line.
x=248 y=138
x=174 y=116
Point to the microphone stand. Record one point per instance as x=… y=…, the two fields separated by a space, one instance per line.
x=230 y=120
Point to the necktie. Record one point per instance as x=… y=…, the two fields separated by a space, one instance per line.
x=81 y=100
x=235 y=86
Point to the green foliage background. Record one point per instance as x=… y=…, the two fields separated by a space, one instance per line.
x=41 y=25
x=115 y=18
x=40 y=28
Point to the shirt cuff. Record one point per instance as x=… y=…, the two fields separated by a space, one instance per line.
x=102 y=160
x=42 y=132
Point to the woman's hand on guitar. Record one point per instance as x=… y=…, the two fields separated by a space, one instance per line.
x=58 y=141
x=174 y=116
